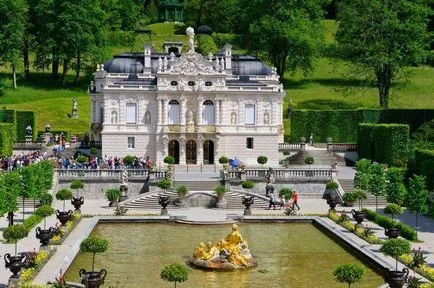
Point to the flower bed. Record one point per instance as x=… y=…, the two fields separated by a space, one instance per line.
x=63 y=231
x=423 y=270
x=362 y=232
x=35 y=262
x=407 y=232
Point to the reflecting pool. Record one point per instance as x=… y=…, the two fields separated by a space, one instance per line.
x=289 y=255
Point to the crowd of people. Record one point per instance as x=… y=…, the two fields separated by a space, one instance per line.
x=105 y=162
x=16 y=161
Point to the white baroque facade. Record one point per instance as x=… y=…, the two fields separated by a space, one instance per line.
x=193 y=107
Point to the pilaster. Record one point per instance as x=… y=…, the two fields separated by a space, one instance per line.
x=182 y=154
x=183 y=109
x=199 y=145
x=199 y=110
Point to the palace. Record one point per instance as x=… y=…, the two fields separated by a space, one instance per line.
x=196 y=108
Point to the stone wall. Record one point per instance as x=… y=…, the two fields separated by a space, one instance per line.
x=117 y=145
x=301 y=188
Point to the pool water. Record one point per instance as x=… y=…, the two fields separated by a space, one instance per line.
x=289 y=255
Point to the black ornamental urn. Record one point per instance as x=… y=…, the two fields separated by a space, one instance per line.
x=64 y=216
x=358 y=216
x=332 y=203
x=164 y=201
x=247 y=202
x=397 y=279
x=77 y=202
x=92 y=279
x=393 y=232
x=15 y=263
x=44 y=235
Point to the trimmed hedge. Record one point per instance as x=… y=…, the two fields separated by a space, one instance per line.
x=407 y=232
x=341 y=125
x=384 y=143
x=7 y=131
x=25 y=118
x=7 y=116
x=425 y=166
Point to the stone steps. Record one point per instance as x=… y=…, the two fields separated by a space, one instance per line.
x=198 y=185
x=348 y=186
x=321 y=157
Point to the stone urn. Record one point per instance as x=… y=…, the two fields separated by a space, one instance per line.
x=221 y=202
x=332 y=203
x=92 y=279
x=44 y=235
x=164 y=201
x=397 y=279
x=64 y=216
x=77 y=202
x=359 y=216
x=247 y=202
x=393 y=232
x=15 y=263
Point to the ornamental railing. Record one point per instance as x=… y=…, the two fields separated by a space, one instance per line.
x=94 y=174
x=342 y=147
x=313 y=174
x=292 y=147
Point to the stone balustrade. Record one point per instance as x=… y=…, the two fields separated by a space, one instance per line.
x=282 y=174
x=94 y=174
x=292 y=147
x=342 y=147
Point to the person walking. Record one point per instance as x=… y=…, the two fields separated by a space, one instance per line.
x=295 y=200
x=272 y=200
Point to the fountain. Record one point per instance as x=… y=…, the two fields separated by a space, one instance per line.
x=230 y=253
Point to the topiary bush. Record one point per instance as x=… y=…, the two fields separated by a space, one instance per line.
x=396 y=248
x=349 y=273
x=94 y=244
x=45 y=199
x=262 y=160
x=220 y=190
x=174 y=273
x=332 y=185
x=349 y=198
x=248 y=184
x=285 y=193
x=113 y=194
x=63 y=195
x=43 y=212
x=164 y=184
x=170 y=160
x=129 y=160
x=82 y=159
x=15 y=233
x=181 y=190
x=223 y=160
x=309 y=160
x=393 y=209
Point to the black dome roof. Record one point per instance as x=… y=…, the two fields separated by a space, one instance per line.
x=204 y=29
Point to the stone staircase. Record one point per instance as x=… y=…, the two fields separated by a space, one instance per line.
x=28 y=203
x=348 y=186
x=233 y=198
x=321 y=157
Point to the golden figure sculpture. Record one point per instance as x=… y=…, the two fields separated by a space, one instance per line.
x=233 y=249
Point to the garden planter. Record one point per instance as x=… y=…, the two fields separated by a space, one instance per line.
x=332 y=203
x=44 y=235
x=64 y=216
x=358 y=216
x=113 y=203
x=393 y=232
x=15 y=263
x=221 y=202
x=164 y=201
x=92 y=279
x=77 y=202
x=247 y=202
x=397 y=279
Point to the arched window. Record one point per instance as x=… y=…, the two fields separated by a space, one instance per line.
x=208 y=113
x=147 y=117
x=173 y=112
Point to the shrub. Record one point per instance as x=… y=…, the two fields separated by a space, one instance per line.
x=6 y=138
x=164 y=184
x=93 y=151
x=94 y=244
x=77 y=184
x=220 y=190
x=349 y=197
x=393 y=209
x=223 y=160
x=309 y=160
x=82 y=159
x=205 y=44
x=113 y=194
x=395 y=189
x=15 y=233
x=396 y=248
x=262 y=160
x=182 y=190
x=169 y=160
x=332 y=185
x=46 y=199
x=129 y=160
x=424 y=163
x=248 y=184
x=25 y=118
x=44 y=211
x=349 y=273
x=174 y=273
x=63 y=195
x=407 y=232
x=360 y=196
x=285 y=193
x=286 y=152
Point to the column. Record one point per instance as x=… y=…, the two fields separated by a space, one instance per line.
x=272 y=113
x=199 y=110
x=217 y=112
x=183 y=110
x=165 y=109
x=199 y=145
x=159 y=109
x=182 y=154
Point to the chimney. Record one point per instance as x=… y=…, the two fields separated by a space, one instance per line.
x=227 y=49
x=147 y=62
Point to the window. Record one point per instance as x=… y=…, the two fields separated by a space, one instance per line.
x=173 y=112
x=174 y=83
x=208 y=113
x=249 y=113
x=208 y=83
x=147 y=117
x=131 y=113
x=249 y=142
x=101 y=113
x=191 y=83
x=131 y=142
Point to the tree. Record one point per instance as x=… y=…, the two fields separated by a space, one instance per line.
x=361 y=178
x=393 y=209
x=396 y=248
x=417 y=197
x=262 y=160
x=12 y=27
x=381 y=38
x=289 y=33
x=377 y=182
x=395 y=189
x=174 y=273
x=94 y=244
x=10 y=186
x=309 y=160
x=349 y=273
x=77 y=184
x=63 y=195
x=15 y=233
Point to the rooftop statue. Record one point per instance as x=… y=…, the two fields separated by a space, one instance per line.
x=229 y=253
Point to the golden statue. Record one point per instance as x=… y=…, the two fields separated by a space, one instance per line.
x=229 y=253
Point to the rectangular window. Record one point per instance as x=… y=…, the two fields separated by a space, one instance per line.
x=249 y=113
x=131 y=142
x=101 y=114
x=249 y=142
x=131 y=113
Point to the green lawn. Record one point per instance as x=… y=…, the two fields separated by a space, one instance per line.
x=326 y=88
